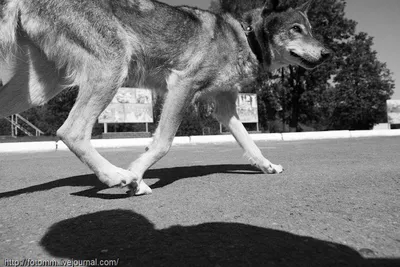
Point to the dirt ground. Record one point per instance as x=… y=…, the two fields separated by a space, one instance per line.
x=336 y=204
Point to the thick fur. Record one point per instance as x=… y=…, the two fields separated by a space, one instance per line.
x=184 y=52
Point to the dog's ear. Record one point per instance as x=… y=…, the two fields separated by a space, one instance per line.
x=270 y=6
x=305 y=7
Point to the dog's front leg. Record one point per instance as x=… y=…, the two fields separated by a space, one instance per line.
x=179 y=96
x=225 y=112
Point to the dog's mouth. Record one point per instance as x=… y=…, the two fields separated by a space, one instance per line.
x=305 y=63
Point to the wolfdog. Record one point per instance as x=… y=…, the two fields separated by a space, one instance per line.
x=185 y=52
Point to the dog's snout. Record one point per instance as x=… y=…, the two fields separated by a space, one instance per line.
x=326 y=53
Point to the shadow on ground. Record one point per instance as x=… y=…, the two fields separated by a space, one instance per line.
x=166 y=176
x=131 y=238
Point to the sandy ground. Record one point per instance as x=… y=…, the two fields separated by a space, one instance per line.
x=336 y=204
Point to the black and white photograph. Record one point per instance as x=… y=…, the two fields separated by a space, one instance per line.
x=200 y=133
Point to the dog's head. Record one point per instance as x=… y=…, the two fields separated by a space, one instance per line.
x=283 y=36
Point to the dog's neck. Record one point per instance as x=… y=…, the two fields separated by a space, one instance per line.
x=259 y=42
x=253 y=43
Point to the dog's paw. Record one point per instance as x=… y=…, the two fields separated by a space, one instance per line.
x=272 y=168
x=139 y=189
x=117 y=177
x=276 y=168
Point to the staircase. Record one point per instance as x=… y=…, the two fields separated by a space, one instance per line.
x=15 y=126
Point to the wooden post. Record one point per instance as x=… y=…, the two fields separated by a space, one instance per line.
x=105 y=128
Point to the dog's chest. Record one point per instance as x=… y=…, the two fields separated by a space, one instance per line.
x=245 y=71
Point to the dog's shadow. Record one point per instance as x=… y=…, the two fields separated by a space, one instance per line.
x=165 y=177
x=132 y=240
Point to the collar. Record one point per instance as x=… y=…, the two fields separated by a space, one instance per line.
x=253 y=42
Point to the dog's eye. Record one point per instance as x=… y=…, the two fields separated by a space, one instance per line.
x=297 y=29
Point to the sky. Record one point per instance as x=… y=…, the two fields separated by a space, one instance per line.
x=380 y=19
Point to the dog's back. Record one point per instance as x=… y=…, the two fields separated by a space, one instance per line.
x=64 y=41
x=55 y=44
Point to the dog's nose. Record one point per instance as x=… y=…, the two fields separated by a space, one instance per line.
x=326 y=53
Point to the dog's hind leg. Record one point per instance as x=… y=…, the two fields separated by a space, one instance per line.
x=35 y=80
x=97 y=86
x=179 y=96
x=225 y=112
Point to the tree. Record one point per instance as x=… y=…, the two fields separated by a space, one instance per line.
x=52 y=115
x=363 y=84
x=235 y=7
x=307 y=96
x=215 y=6
x=306 y=87
x=4 y=127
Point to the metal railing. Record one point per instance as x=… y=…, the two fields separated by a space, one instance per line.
x=15 y=126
